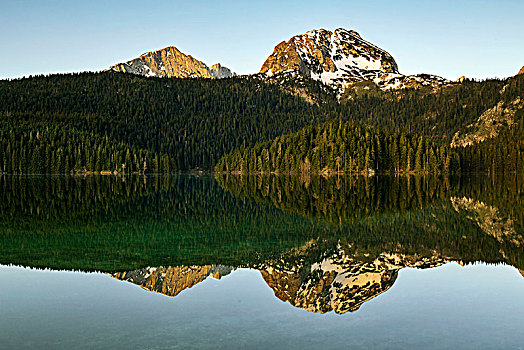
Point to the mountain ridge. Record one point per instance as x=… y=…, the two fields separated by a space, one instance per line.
x=338 y=59
x=171 y=62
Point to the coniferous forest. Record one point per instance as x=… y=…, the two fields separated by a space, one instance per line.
x=119 y=122
x=337 y=147
x=122 y=123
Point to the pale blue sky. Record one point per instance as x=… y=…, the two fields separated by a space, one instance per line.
x=449 y=38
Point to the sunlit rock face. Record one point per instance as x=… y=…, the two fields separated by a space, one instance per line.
x=340 y=59
x=172 y=280
x=339 y=283
x=170 y=62
x=489 y=124
x=521 y=71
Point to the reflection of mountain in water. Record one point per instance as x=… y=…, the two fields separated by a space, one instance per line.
x=128 y=223
x=172 y=280
x=371 y=230
x=339 y=282
x=489 y=219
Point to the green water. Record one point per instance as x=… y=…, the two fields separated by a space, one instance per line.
x=261 y=261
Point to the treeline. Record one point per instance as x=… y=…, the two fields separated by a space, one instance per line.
x=185 y=123
x=38 y=149
x=338 y=147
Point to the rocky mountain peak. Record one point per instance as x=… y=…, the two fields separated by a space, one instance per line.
x=218 y=71
x=171 y=62
x=521 y=71
x=339 y=59
x=328 y=56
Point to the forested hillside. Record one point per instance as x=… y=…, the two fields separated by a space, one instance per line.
x=439 y=115
x=505 y=152
x=126 y=123
x=406 y=132
x=114 y=121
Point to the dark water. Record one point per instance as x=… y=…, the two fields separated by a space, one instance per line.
x=261 y=262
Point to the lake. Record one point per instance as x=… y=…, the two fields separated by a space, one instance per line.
x=270 y=261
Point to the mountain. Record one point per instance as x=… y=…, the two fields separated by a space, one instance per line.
x=521 y=71
x=170 y=62
x=340 y=59
x=218 y=71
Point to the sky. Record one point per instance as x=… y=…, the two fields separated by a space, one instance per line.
x=478 y=39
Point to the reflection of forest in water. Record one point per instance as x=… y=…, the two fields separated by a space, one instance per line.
x=320 y=243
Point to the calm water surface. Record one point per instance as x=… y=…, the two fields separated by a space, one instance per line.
x=261 y=262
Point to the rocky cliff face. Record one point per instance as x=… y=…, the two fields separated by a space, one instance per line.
x=339 y=59
x=170 y=62
x=521 y=71
x=329 y=56
x=489 y=124
x=218 y=71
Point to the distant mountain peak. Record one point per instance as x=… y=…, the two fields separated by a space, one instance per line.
x=171 y=62
x=218 y=71
x=339 y=59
